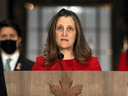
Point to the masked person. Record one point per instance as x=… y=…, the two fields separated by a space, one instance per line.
x=10 y=40
x=123 y=60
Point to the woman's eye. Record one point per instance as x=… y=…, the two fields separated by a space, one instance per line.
x=70 y=29
x=59 y=28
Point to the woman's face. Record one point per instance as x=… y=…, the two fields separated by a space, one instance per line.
x=65 y=32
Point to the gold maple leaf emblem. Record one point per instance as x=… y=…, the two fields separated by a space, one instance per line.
x=65 y=88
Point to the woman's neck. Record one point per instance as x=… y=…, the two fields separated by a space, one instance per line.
x=68 y=54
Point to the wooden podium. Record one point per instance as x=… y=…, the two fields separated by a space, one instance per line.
x=94 y=83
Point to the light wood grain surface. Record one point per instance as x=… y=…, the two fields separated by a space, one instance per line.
x=35 y=83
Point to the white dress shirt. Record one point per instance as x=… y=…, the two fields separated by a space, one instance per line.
x=13 y=61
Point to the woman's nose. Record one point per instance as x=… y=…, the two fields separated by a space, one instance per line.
x=64 y=33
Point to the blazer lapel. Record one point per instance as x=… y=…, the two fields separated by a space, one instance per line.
x=18 y=64
x=2 y=80
x=1 y=62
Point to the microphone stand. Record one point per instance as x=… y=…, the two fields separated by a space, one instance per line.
x=61 y=64
x=60 y=56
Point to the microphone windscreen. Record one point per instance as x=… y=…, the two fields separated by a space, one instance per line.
x=60 y=56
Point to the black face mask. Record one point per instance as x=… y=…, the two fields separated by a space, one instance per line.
x=9 y=46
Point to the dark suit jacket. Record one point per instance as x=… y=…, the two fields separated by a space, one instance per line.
x=25 y=64
x=3 y=91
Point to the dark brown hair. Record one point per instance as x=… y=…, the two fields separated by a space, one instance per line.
x=81 y=49
x=10 y=23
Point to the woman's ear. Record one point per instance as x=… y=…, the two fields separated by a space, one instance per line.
x=125 y=45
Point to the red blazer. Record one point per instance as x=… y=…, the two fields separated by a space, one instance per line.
x=68 y=65
x=123 y=64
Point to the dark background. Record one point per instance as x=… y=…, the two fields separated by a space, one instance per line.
x=15 y=10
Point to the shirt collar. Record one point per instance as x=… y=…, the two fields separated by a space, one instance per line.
x=13 y=57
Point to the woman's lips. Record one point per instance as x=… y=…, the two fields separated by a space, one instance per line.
x=64 y=40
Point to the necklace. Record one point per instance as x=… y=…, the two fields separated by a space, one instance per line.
x=70 y=58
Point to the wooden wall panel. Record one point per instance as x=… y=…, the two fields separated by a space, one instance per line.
x=35 y=83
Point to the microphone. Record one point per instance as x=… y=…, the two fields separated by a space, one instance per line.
x=60 y=56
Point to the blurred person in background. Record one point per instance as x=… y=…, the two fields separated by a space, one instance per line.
x=65 y=35
x=10 y=41
x=123 y=60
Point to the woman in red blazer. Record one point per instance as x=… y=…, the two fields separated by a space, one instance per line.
x=65 y=35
